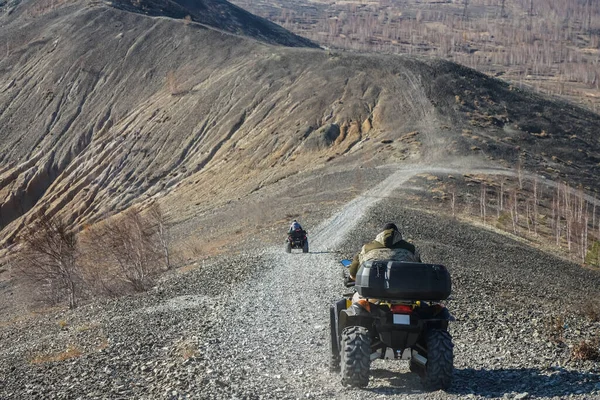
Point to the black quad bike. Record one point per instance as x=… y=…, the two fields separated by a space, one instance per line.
x=399 y=309
x=297 y=240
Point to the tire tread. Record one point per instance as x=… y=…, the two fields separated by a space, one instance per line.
x=356 y=356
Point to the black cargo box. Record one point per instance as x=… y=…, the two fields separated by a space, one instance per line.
x=399 y=280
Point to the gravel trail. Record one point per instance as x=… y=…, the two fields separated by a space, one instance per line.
x=255 y=325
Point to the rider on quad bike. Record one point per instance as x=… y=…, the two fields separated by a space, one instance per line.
x=396 y=310
x=296 y=238
x=294 y=226
x=388 y=245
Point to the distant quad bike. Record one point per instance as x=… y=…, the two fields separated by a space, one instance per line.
x=297 y=240
x=399 y=310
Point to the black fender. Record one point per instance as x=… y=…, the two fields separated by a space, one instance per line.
x=355 y=315
x=333 y=331
x=439 y=320
x=445 y=315
x=334 y=315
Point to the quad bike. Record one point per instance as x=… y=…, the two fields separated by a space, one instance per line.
x=368 y=329
x=297 y=240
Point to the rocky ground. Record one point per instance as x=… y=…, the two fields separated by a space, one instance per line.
x=255 y=324
x=233 y=138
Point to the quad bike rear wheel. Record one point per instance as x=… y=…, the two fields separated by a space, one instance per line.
x=438 y=371
x=288 y=247
x=305 y=247
x=355 y=356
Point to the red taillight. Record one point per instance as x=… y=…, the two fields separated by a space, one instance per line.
x=401 y=309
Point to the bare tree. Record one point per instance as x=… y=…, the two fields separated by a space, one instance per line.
x=482 y=201
x=453 y=202
x=514 y=210
x=558 y=216
x=127 y=247
x=48 y=257
x=589 y=3
x=528 y=218
x=158 y=217
x=535 y=205
x=584 y=236
x=594 y=214
x=556 y=220
x=501 y=196
x=520 y=173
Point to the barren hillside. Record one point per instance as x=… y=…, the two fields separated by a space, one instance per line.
x=101 y=109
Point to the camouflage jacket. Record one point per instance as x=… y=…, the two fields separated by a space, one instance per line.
x=388 y=245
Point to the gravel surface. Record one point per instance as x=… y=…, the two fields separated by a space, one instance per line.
x=255 y=325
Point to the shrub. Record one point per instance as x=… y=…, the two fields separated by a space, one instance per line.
x=48 y=257
x=591 y=310
x=592 y=256
x=587 y=350
x=125 y=249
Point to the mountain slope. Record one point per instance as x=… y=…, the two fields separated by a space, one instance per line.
x=218 y=14
x=101 y=109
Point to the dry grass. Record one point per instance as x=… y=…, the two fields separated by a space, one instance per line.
x=591 y=310
x=186 y=349
x=587 y=350
x=22 y=318
x=71 y=352
x=188 y=268
x=190 y=248
x=88 y=327
x=555 y=328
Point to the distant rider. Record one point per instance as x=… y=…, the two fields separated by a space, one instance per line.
x=388 y=245
x=295 y=228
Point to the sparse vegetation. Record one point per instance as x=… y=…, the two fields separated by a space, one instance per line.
x=551 y=46
x=172 y=83
x=588 y=350
x=555 y=328
x=120 y=254
x=72 y=351
x=187 y=349
x=564 y=217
